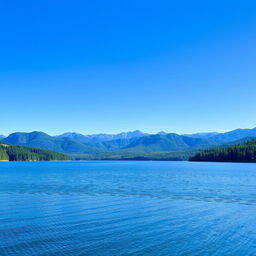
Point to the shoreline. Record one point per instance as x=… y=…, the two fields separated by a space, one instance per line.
x=128 y=160
x=38 y=161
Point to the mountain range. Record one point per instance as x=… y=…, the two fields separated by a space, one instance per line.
x=135 y=142
x=104 y=137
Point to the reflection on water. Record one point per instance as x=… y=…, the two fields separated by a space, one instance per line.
x=127 y=208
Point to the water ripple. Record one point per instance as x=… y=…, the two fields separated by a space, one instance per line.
x=137 y=209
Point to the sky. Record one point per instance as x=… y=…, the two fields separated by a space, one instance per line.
x=112 y=66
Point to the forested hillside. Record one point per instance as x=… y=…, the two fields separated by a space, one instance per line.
x=19 y=153
x=167 y=142
x=45 y=141
x=178 y=155
x=245 y=152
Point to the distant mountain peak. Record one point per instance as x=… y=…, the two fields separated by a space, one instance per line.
x=162 y=133
x=69 y=134
x=205 y=135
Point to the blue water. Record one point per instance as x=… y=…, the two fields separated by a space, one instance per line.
x=127 y=208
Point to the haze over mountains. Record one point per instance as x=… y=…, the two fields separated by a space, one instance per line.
x=135 y=142
x=104 y=137
x=205 y=135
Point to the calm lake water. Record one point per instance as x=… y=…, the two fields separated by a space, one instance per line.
x=127 y=208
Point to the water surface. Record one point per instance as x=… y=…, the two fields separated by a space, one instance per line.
x=127 y=208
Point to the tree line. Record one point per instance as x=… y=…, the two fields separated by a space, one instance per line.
x=19 y=153
x=245 y=152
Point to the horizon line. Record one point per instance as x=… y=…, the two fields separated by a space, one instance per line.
x=167 y=132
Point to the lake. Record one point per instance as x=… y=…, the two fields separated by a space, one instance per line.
x=127 y=208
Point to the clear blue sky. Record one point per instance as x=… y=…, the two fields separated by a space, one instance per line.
x=111 y=66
